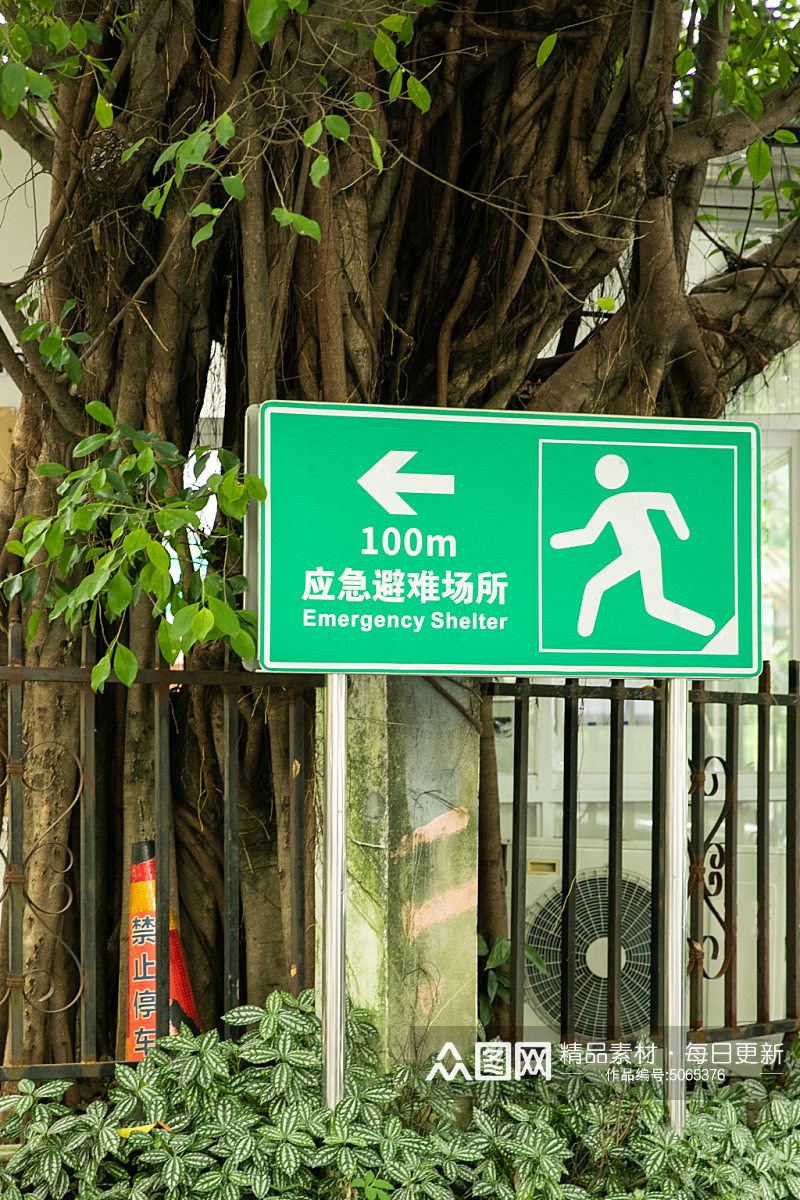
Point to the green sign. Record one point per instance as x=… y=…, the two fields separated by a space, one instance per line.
x=425 y=541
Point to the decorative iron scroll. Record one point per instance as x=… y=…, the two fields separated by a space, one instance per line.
x=710 y=868
x=50 y=855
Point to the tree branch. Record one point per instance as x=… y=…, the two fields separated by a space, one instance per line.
x=712 y=43
x=700 y=140
x=50 y=391
x=328 y=298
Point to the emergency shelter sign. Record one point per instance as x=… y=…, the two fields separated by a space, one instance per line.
x=436 y=541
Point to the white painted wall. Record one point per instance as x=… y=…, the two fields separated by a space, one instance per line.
x=24 y=201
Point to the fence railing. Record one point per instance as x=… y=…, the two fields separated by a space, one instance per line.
x=715 y=850
x=24 y=864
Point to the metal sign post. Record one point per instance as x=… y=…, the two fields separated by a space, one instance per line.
x=677 y=834
x=334 y=891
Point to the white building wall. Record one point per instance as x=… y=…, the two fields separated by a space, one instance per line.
x=24 y=203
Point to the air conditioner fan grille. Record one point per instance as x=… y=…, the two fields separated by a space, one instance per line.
x=543 y=932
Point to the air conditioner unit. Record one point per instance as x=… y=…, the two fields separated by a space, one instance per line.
x=590 y=890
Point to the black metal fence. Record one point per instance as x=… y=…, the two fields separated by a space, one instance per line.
x=22 y=862
x=714 y=779
x=714 y=851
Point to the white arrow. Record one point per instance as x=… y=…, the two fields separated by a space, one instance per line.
x=383 y=482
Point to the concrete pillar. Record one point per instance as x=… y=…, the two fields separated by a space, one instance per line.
x=413 y=862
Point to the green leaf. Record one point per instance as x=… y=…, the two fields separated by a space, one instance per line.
x=30 y=586
x=54 y=539
x=100 y=412
x=396 y=84
x=418 y=94
x=131 y=150
x=88 y=444
x=32 y=331
x=51 y=470
x=11 y=586
x=157 y=583
x=202 y=624
x=51 y=344
x=546 y=49
x=85 y=518
x=146 y=460
x=312 y=134
x=243 y=645
x=377 y=157
x=183 y=620
x=785 y=135
x=58 y=35
x=607 y=303
x=169 y=648
x=78 y=35
x=501 y=952
x=15 y=547
x=224 y=616
x=119 y=593
x=126 y=666
x=166 y=155
x=73 y=367
x=135 y=541
x=752 y=103
x=759 y=160
x=262 y=19
x=535 y=958
x=319 y=169
x=385 y=51
x=337 y=127
x=15 y=82
x=192 y=150
x=394 y=22
x=159 y=198
x=785 y=67
x=21 y=44
x=302 y=225
x=203 y=233
x=152 y=198
x=33 y=625
x=363 y=99
x=224 y=131
x=684 y=62
x=39 y=85
x=234 y=186
x=101 y=672
x=204 y=210
x=246 y=1014
x=254 y=487
x=158 y=556
x=103 y=112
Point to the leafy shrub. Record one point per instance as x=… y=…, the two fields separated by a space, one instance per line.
x=206 y=1118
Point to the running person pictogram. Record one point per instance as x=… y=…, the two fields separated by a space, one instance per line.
x=627 y=514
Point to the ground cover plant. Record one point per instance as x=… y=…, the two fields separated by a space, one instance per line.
x=242 y=1120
